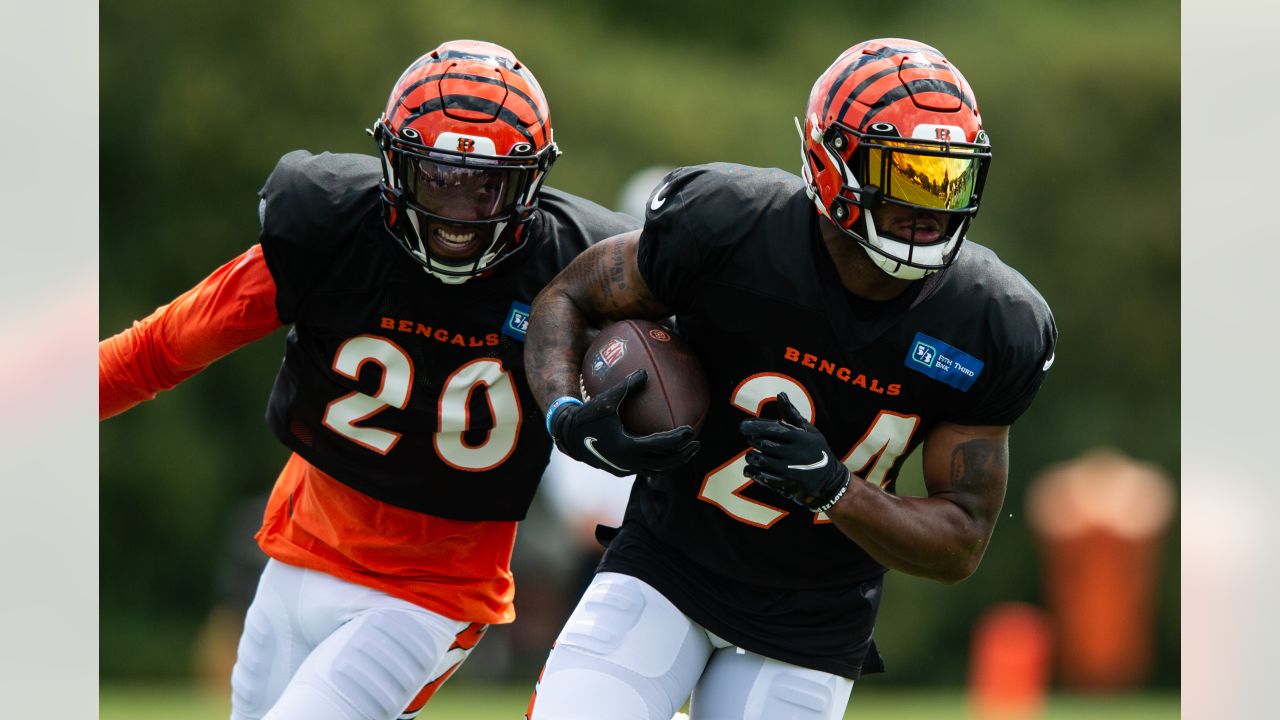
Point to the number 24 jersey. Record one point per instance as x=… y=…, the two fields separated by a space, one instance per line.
x=737 y=253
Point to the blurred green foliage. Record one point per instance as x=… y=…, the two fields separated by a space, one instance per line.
x=198 y=100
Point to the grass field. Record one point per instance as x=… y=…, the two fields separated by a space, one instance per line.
x=500 y=702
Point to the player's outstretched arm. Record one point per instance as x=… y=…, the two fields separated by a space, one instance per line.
x=942 y=536
x=231 y=308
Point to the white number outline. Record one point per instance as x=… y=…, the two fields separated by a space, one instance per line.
x=879 y=448
x=885 y=440
x=501 y=397
x=394 y=389
x=722 y=486
x=342 y=414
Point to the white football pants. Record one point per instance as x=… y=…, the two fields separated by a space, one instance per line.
x=627 y=653
x=319 y=648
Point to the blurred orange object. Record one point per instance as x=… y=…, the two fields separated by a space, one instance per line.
x=1009 y=665
x=1100 y=521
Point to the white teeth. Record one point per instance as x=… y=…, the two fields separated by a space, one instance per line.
x=455 y=239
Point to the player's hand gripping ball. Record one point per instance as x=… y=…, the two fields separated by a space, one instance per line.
x=646 y=399
x=675 y=391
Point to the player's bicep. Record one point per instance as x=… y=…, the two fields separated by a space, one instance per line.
x=968 y=465
x=605 y=282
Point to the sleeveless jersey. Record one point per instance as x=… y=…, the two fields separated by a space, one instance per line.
x=737 y=253
x=403 y=388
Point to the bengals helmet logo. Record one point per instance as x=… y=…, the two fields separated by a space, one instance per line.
x=466 y=145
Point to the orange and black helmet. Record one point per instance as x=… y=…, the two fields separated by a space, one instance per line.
x=893 y=121
x=465 y=141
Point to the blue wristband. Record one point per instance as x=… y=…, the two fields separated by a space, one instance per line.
x=556 y=405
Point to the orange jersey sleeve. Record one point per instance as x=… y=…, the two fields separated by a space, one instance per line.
x=229 y=309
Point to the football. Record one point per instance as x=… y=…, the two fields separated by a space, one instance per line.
x=675 y=393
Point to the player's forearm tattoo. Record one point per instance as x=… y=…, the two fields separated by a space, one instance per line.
x=553 y=346
x=593 y=289
x=611 y=294
x=595 y=280
x=609 y=276
x=618 y=266
x=978 y=470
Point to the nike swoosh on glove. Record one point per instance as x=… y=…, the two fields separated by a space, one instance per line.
x=592 y=433
x=790 y=457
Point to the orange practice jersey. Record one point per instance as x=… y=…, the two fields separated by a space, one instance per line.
x=460 y=569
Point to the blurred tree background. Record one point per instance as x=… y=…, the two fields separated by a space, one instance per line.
x=198 y=100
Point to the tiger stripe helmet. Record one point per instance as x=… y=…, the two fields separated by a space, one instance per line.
x=466 y=117
x=893 y=121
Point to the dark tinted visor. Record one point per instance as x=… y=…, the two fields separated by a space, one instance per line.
x=463 y=193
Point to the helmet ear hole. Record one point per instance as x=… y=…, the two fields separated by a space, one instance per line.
x=817 y=161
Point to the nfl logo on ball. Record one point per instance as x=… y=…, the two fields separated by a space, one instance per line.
x=608 y=356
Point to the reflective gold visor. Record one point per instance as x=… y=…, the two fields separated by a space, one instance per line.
x=931 y=181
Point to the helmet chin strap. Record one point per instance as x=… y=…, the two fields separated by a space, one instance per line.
x=885 y=263
x=888 y=253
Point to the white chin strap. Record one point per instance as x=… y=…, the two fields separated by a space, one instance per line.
x=445 y=272
x=893 y=252
x=432 y=266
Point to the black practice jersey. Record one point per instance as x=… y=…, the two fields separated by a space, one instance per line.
x=737 y=253
x=404 y=388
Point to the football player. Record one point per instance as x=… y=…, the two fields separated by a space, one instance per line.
x=843 y=320
x=406 y=278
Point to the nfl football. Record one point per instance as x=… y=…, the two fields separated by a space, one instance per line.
x=675 y=393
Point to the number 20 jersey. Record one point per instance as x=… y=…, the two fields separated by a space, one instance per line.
x=395 y=384
x=737 y=253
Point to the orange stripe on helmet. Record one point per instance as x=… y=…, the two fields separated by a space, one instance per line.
x=926 y=94
x=468 y=83
x=462 y=69
x=873 y=57
x=934 y=85
x=471 y=108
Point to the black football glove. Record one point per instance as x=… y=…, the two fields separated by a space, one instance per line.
x=592 y=433
x=790 y=457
